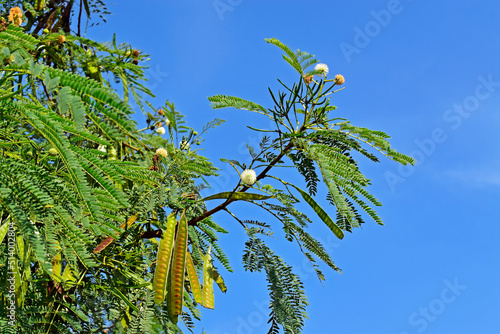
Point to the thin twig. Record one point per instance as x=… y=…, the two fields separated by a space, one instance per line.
x=80 y=18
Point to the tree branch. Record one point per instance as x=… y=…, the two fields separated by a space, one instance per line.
x=206 y=214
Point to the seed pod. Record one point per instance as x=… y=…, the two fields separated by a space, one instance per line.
x=208 y=281
x=39 y=4
x=56 y=268
x=163 y=258
x=193 y=279
x=176 y=293
x=219 y=280
x=109 y=240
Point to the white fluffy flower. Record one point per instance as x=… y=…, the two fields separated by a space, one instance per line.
x=248 y=177
x=102 y=148
x=160 y=131
x=161 y=151
x=323 y=68
x=184 y=145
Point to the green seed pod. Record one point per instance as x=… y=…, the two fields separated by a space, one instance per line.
x=176 y=293
x=163 y=258
x=39 y=4
x=193 y=280
x=219 y=280
x=208 y=281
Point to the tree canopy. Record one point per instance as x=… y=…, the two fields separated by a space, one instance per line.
x=104 y=226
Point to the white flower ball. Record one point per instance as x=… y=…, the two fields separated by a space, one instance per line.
x=161 y=151
x=248 y=177
x=323 y=68
x=160 y=131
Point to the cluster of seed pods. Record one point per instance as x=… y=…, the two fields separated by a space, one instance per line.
x=173 y=261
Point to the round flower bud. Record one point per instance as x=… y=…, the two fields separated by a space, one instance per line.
x=61 y=39
x=161 y=112
x=323 y=68
x=136 y=53
x=161 y=151
x=46 y=31
x=339 y=79
x=53 y=152
x=160 y=130
x=135 y=61
x=248 y=177
x=127 y=53
x=195 y=133
x=308 y=79
x=167 y=122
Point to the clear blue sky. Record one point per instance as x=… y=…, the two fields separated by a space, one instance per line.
x=428 y=74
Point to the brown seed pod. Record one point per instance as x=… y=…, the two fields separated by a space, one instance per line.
x=109 y=240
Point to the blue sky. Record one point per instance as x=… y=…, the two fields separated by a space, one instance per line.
x=428 y=74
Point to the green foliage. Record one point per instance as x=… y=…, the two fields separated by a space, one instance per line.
x=288 y=300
